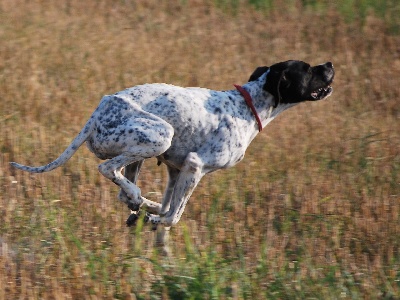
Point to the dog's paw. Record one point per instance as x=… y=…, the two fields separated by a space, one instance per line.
x=154 y=220
x=132 y=219
x=134 y=206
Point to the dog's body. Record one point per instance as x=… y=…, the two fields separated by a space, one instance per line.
x=194 y=131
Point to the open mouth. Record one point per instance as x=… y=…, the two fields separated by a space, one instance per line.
x=322 y=93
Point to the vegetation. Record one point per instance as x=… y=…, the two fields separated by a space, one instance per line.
x=312 y=212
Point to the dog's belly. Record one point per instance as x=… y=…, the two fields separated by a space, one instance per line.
x=213 y=161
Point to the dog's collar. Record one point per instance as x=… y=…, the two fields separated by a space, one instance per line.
x=249 y=103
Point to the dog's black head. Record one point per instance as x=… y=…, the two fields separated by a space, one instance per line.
x=295 y=81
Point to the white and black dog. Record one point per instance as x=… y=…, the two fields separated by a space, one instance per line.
x=193 y=131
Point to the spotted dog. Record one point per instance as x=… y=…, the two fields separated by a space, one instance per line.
x=193 y=131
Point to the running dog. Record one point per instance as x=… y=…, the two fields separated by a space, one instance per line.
x=193 y=131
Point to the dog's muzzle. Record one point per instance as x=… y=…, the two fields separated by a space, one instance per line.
x=328 y=72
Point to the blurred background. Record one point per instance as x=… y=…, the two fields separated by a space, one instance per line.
x=311 y=212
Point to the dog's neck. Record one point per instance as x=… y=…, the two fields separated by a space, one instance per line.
x=264 y=102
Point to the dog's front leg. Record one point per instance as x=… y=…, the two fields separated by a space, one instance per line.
x=163 y=232
x=188 y=178
x=172 y=178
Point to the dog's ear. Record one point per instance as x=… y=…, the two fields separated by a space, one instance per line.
x=275 y=81
x=258 y=72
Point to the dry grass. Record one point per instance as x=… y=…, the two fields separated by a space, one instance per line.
x=313 y=211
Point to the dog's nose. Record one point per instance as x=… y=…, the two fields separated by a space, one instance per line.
x=329 y=65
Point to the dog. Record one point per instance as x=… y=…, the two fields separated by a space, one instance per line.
x=193 y=131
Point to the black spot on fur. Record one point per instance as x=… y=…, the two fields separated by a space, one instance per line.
x=217 y=110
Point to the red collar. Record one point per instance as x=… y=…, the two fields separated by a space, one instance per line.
x=249 y=103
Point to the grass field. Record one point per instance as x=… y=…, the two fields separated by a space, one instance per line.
x=313 y=211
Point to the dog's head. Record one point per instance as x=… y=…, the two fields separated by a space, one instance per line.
x=295 y=81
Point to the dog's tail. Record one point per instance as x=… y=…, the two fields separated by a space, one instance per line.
x=66 y=155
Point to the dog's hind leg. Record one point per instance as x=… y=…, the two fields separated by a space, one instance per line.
x=131 y=172
x=112 y=169
x=140 y=136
